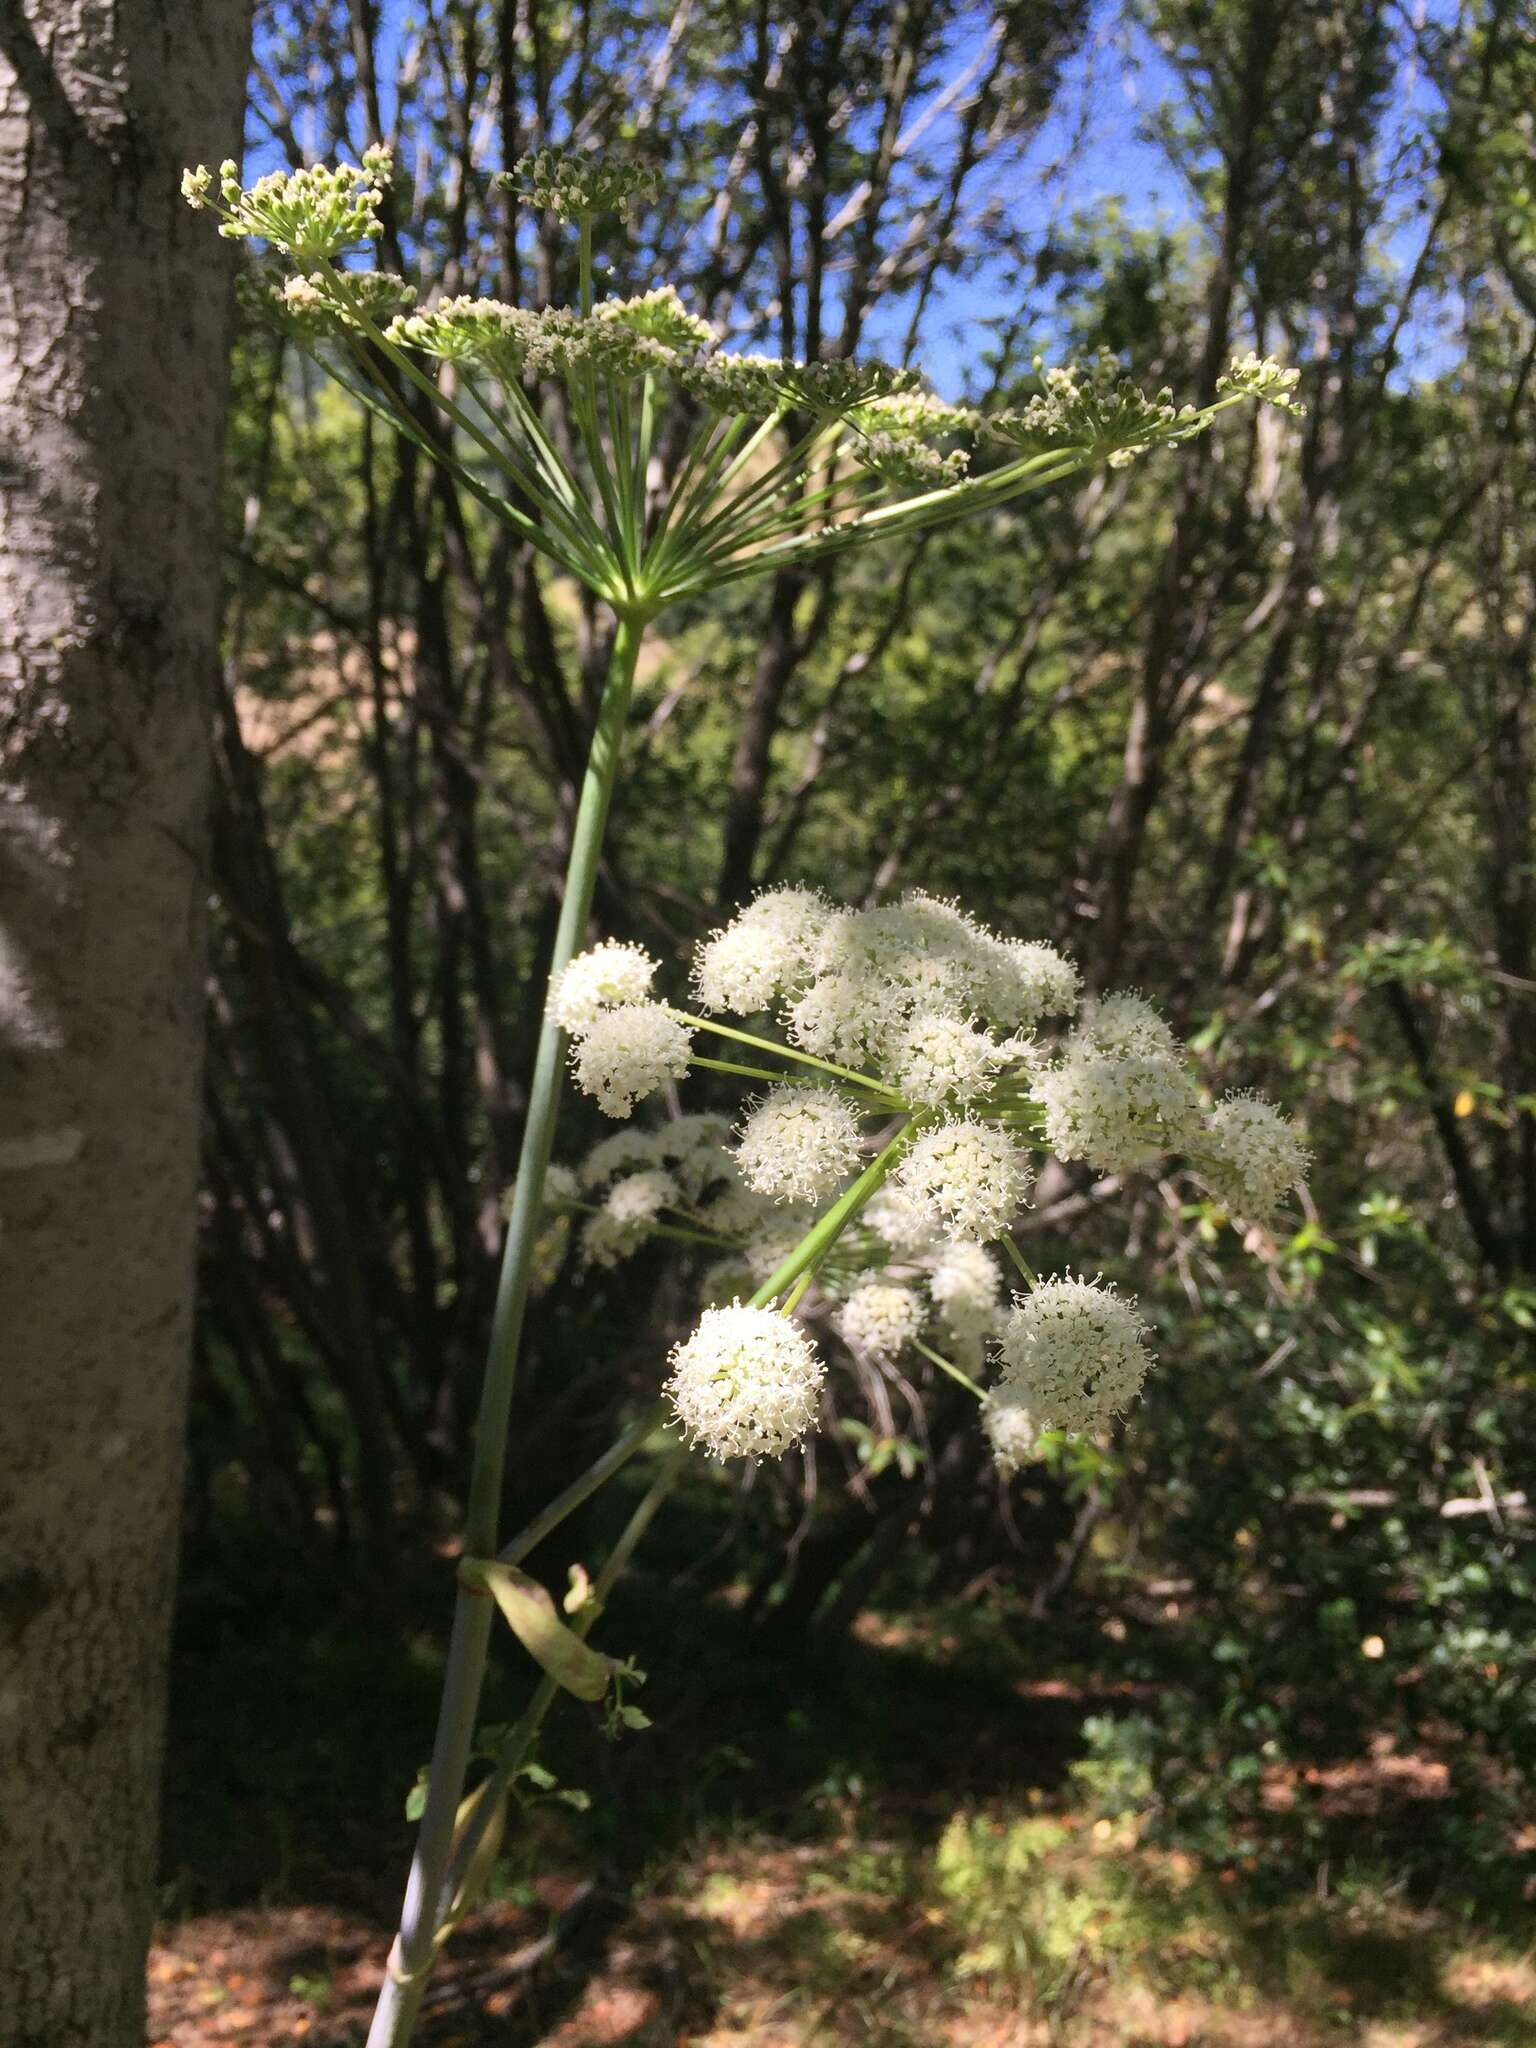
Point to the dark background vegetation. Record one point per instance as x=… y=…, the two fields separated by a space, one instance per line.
x=1249 y=725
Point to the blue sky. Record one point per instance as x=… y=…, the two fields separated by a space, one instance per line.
x=1092 y=149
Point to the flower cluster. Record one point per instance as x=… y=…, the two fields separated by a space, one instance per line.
x=1073 y=1354
x=1097 y=406
x=628 y=1052
x=747 y=1383
x=1251 y=1157
x=313 y=214
x=920 y=1061
x=1119 y=1096
x=575 y=184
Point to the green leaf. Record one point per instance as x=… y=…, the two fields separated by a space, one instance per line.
x=532 y=1618
x=635 y=1717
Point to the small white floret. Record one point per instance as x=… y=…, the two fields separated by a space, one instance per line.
x=1011 y=1430
x=1252 y=1156
x=1028 y=981
x=967 y=1289
x=763 y=954
x=1118 y=1110
x=937 y=1058
x=747 y=1383
x=879 y=1318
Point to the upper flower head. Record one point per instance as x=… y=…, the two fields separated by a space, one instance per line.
x=312 y=214
x=576 y=184
x=606 y=974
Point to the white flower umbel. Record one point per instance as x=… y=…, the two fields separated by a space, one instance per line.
x=1117 y=1110
x=694 y=1147
x=906 y=1227
x=937 y=1058
x=619 y=1152
x=1251 y=1156
x=747 y=1383
x=1075 y=1353
x=763 y=954
x=879 y=1318
x=1010 y=1428
x=1027 y=981
x=966 y=1284
x=799 y=1144
x=971 y=1177
x=605 y=975
x=627 y=1053
x=844 y=1017
x=624 y=1221
x=1124 y=1022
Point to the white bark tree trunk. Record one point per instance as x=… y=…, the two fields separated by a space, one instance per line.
x=112 y=372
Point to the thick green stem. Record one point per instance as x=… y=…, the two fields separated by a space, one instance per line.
x=415 y=1945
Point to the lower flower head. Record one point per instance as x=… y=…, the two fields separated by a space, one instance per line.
x=879 y=1318
x=967 y=1288
x=1010 y=1428
x=1075 y=1353
x=747 y=1383
x=763 y=954
x=971 y=1177
x=627 y=1053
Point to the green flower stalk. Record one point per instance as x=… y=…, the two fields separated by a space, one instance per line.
x=783 y=464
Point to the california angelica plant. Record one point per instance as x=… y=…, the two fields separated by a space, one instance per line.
x=630 y=452
x=914 y=1067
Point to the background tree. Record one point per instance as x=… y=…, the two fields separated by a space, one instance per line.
x=112 y=378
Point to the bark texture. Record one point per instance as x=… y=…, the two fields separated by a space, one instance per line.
x=113 y=302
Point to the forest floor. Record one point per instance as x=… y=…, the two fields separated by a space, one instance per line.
x=884 y=1844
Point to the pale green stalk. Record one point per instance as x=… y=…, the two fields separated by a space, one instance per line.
x=947 y=1365
x=415 y=1946
x=1018 y=1258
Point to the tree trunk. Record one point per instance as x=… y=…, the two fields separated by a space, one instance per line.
x=112 y=354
